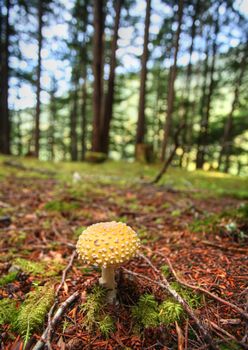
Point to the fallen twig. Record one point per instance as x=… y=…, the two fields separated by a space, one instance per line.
x=46 y=336
x=43 y=340
x=165 y=285
x=227 y=334
x=214 y=296
x=232 y=249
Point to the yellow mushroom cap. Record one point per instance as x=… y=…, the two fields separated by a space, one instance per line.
x=108 y=243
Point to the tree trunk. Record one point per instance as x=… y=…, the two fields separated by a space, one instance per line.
x=109 y=98
x=73 y=119
x=83 y=65
x=97 y=71
x=38 y=83
x=4 y=82
x=185 y=135
x=171 y=91
x=226 y=141
x=141 y=125
x=52 y=119
x=202 y=140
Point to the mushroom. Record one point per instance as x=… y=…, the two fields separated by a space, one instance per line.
x=108 y=244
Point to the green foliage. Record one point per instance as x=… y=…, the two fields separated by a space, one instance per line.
x=170 y=311
x=38 y=268
x=94 y=303
x=8 y=311
x=33 y=311
x=165 y=270
x=146 y=311
x=30 y=267
x=192 y=298
x=10 y=277
x=61 y=206
x=106 y=326
x=232 y=222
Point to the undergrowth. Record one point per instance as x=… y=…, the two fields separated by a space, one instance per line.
x=33 y=311
x=93 y=310
x=149 y=313
x=10 y=277
x=232 y=223
x=8 y=311
x=38 y=268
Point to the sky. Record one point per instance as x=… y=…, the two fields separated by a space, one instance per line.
x=129 y=45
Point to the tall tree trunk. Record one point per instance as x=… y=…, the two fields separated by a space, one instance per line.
x=109 y=98
x=4 y=82
x=38 y=83
x=202 y=140
x=226 y=141
x=73 y=119
x=97 y=71
x=187 y=90
x=141 y=125
x=83 y=115
x=171 y=91
x=52 y=120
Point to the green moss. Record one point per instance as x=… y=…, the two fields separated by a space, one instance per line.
x=145 y=312
x=33 y=311
x=91 y=308
x=61 y=206
x=38 y=268
x=8 y=311
x=170 y=312
x=106 y=326
x=10 y=277
x=30 y=267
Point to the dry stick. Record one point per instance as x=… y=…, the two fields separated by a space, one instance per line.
x=171 y=156
x=46 y=336
x=214 y=296
x=165 y=285
x=229 y=335
x=39 y=345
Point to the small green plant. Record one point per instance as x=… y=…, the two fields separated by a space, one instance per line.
x=8 y=311
x=61 y=206
x=170 y=311
x=30 y=267
x=146 y=311
x=106 y=326
x=95 y=301
x=193 y=299
x=10 y=277
x=165 y=270
x=33 y=311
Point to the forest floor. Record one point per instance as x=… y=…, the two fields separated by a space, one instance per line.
x=195 y=223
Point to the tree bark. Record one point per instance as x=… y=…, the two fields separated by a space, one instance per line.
x=141 y=125
x=185 y=135
x=202 y=140
x=38 y=83
x=226 y=141
x=171 y=91
x=97 y=71
x=74 y=119
x=52 y=119
x=4 y=82
x=84 y=63
x=109 y=98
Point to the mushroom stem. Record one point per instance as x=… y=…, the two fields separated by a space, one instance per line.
x=108 y=281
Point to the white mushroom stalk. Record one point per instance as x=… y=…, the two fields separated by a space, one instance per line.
x=107 y=280
x=108 y=244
